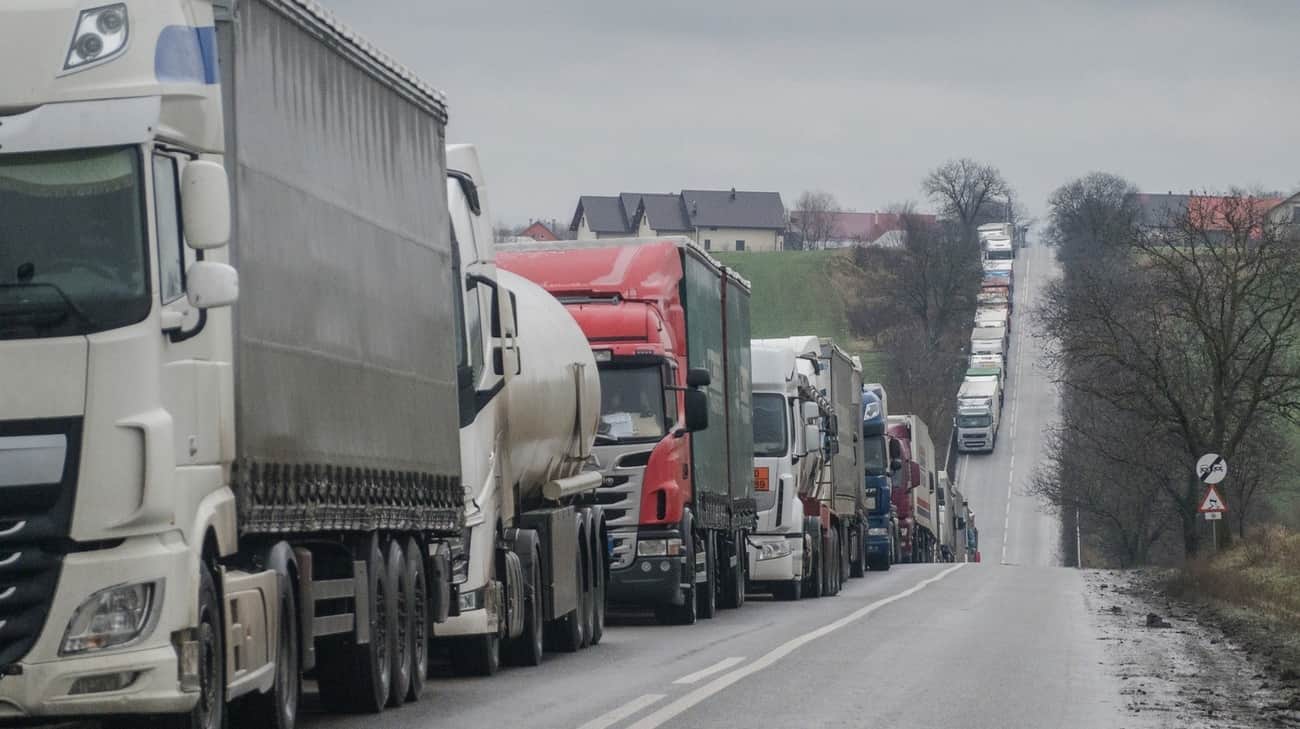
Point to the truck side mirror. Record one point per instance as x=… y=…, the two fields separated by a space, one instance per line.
x=210 y=285
x=895 y=465
x=961 y=523
x=205 y=205
x=698 y=377
x=697 y=410
x=832 y=444
x=895 y=453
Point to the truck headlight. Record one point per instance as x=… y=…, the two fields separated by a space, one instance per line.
x=877 y=531
x=112 y=617
x=774 y=550
x=658 y=547
x=100 y=34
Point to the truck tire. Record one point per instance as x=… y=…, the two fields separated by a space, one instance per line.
x=568 y=629
x=733 y=580
x=788 y=591
x=813 y=576
x=858 y=567
x=399 y=657
x=418 y=636
x=707 y=598
x=587 y=583
x=277 y=708
x=599 y=576
x=210 y=711
x=832 y=563
x=528 y=649
x=476 y=655
x=358 y=678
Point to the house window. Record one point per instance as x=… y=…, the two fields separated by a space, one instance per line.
x=1295 y=215
x=740 y=245
x=708 y=244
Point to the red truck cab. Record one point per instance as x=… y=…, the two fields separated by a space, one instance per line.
x=668 y=508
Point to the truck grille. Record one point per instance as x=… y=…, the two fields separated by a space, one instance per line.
x=35 y=524
x=620 y=493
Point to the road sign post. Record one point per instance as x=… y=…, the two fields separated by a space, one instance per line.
x=1211 y=469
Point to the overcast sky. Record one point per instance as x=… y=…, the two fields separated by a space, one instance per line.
x=857 y=98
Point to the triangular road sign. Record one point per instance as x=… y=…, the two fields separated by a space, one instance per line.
x=1212 y=504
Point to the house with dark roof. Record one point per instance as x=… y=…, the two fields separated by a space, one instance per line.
x=720 y=220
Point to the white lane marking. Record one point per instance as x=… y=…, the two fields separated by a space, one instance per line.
x=613 y=717
x=720 y=666
x=663 y=715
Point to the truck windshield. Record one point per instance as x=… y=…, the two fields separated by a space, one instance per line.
x=770 y=421
x=974 y=421
x=875 y=455
x=72 y=243
x=631 y=404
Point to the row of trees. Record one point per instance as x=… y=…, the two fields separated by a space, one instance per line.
x=1171 y=336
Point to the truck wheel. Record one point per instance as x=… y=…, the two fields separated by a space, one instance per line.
x=813 y=576
x=858 y=567
x=598 y=579
x=788 y=591
x=403 y=616
x=832 y=564
x=418 y=636
x=210 y=711
x=706 y=598
x=476 y=655
x=568 y=629
x=588 y=593
x=733 y=579
x=527 y=649
x=277 y=708
x=358 y=678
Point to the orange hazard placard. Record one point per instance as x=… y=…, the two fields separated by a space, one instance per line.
x=760 y=479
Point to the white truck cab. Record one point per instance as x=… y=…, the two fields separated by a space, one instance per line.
x=787 y=443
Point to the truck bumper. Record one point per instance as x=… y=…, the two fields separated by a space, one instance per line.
x=650 y=581
x=786 y=568
x=878 y=546
x=149 y=669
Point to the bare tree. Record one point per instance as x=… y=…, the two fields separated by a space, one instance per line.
x=814 y=218
x=1191 y=326
x=966 y=191
x=938 y=278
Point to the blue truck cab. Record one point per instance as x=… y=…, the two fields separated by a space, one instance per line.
x=879 y=463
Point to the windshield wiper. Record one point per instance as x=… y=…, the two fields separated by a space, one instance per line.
x=603 y=438
x=69 y=307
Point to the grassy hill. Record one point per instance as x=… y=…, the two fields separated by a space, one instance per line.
x=805 y=292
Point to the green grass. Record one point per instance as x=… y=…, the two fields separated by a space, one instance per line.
x=805 y=292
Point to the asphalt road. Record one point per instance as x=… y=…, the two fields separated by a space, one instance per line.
x=1005 y=643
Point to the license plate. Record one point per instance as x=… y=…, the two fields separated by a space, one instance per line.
x=760 y=479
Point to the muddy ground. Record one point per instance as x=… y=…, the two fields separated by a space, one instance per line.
x=1184 y=663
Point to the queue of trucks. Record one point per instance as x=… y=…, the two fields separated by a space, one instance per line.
x=288 y=411
x=983 y=390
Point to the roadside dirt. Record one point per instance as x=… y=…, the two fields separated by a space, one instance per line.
x=1178 y=665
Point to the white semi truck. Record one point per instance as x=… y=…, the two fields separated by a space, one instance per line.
x=531 y=564
x=979 y=410
x=205 y=501
x=808 y=471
